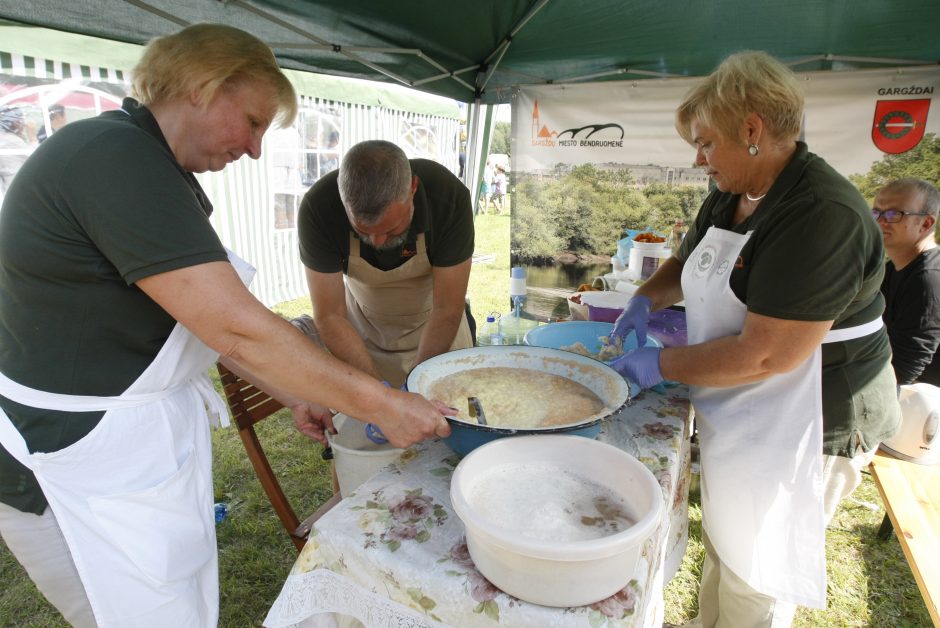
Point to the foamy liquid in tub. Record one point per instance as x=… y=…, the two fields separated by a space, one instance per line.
x=544 y=502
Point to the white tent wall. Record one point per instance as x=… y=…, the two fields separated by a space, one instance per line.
x=244 y=194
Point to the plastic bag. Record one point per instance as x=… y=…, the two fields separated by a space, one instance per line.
x=625 y=244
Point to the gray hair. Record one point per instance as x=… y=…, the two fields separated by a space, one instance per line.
x=912 y=185
x=372 y=175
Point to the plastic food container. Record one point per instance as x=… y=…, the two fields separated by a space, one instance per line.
x=355 y=456
x=511 y=517
x=645 y=258
x=598 y=305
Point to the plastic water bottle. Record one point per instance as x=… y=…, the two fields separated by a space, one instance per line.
x=489 y=333
x=517 y=290
x=221 y=511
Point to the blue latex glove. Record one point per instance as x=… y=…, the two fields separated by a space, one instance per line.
x=640 y=366
x=373 y=431
x=636 y=316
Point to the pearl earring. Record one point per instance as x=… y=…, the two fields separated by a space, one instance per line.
x=752 y=150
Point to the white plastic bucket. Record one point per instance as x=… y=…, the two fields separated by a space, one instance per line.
x=355 y=457
x=645 y=258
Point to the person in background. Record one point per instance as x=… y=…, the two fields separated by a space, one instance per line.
x=387 y=242
x=486 y=186
x=116 y=296
x=57 y=120
x=14 y=147
x=788 y=360
x=330 y=161
x=906 y=212
x=499 y=188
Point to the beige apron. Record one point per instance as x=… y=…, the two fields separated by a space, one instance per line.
x=134 y=496
x=761 y=444
x=389 y=309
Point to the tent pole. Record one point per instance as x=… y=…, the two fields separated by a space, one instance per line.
x=478 y=148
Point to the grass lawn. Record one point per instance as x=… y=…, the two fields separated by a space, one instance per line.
x=870 y=583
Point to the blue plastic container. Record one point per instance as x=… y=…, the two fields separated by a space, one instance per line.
x=588 y=333
x=464 y=437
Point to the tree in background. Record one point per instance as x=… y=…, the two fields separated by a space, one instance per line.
x=922 y=161
x=500 y=142
x=585 y=210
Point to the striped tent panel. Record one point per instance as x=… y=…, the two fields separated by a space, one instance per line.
x=243 y=194
x=22 y=65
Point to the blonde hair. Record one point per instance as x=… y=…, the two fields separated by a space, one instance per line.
x=205 y=58
x=745 y=82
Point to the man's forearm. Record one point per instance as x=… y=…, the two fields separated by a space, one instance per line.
x=344 y=342
x=439 y=333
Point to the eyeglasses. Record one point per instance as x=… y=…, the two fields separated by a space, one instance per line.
x=894 y=215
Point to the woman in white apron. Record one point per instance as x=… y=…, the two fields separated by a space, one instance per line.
x=783 y=261
x=401 y=306
x=116 y=296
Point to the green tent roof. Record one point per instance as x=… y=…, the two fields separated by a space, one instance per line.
x=486 y=47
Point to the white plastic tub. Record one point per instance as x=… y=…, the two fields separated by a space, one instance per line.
x=645 y=258
x=517 y=553
x=355 y=456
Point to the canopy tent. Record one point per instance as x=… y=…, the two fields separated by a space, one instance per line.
x=481 y=50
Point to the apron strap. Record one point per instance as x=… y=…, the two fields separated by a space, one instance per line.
x=215 y=405
x=851 y=333
x=74 y=403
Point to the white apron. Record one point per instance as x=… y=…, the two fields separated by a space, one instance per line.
x=134 y=497
x=761 y=444
x=389 y=309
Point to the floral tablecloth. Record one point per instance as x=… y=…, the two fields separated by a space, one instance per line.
x=393 y=553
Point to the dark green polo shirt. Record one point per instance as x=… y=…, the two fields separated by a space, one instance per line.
x=815 y=254
x=442 y=212
x=98 y=206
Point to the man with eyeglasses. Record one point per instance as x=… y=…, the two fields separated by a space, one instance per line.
x=906 y=211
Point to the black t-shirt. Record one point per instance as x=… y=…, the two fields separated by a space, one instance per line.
x=442 y=212
x=99 y=205
x=815 y=254
x=912 y=315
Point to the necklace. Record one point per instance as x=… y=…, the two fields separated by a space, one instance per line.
x=754 y=199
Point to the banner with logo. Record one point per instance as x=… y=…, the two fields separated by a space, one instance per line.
x=853 y=118
x=590 y=160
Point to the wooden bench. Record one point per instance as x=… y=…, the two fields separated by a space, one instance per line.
x=911 y=494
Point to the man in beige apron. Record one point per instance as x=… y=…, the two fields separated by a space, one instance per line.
x=387 y=245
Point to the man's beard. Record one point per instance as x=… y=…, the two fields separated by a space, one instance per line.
x=391 y=243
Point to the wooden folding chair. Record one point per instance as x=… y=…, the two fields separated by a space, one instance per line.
x=249 y=405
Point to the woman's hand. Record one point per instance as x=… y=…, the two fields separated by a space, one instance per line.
x=636 y=317
x=640 y=366
x=313 y=420
x=421 y=419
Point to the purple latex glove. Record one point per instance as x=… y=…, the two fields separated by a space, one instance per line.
x=640 y=366
x=635 y=316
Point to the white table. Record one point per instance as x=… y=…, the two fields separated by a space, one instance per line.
x=393 y=553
